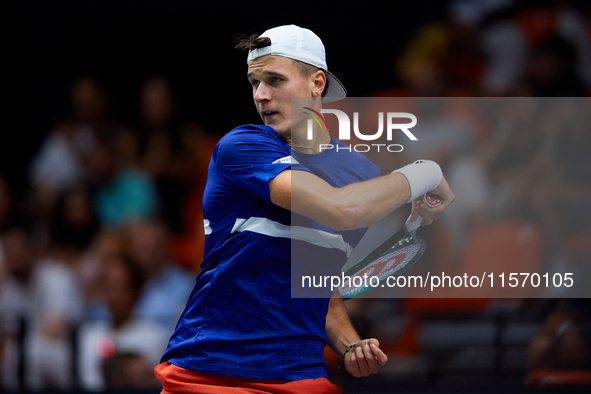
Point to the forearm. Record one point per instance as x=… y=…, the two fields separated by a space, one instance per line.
x=340 y=332
x=353 y=206
x=359 y=204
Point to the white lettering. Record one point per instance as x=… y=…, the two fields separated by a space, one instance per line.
x=372 y=137
x=404 y=127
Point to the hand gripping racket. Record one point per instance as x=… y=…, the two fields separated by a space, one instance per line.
x=391 y=258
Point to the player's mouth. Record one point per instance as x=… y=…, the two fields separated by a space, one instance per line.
x=269 y=115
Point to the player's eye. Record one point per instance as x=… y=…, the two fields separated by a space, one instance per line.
x=276 y=79
x=254 y=82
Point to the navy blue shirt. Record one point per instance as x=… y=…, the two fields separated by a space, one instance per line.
x=241 y=319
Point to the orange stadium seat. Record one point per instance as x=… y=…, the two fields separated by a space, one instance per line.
x=508 y=246
x=512 y=246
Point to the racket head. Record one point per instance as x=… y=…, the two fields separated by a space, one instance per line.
x=392 y=262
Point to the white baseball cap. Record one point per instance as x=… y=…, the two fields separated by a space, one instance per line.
x=300 y=44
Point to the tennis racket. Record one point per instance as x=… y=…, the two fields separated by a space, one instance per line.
x=391 y=258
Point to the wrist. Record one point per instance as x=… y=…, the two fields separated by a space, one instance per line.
x=422 y=176
x=348 y=349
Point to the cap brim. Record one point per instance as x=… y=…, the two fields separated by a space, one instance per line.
x=336 y=90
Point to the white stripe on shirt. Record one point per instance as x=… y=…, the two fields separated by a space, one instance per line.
x=275 y=229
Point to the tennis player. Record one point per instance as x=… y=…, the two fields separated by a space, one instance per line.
x=242 y=331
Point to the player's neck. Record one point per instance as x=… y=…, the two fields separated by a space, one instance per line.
x=313 y=146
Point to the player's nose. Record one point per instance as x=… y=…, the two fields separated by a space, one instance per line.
x=262 y=93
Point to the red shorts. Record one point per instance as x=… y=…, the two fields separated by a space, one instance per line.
x=176 y=380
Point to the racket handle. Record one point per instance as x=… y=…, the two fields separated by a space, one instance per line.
x=432 y=200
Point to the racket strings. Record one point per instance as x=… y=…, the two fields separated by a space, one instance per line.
x=388 y=264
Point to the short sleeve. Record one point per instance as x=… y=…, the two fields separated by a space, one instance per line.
x=250 y=156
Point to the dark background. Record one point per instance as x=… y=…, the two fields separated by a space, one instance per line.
x=48 y=44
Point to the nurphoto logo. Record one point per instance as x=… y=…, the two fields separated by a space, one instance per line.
x=391 y=119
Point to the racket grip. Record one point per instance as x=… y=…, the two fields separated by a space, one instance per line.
x=432 y=200
x=411 y=226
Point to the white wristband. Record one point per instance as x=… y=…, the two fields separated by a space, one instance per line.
x=422 y=176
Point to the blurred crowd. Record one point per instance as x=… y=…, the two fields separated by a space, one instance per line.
x=501 y=89
x=99 y=254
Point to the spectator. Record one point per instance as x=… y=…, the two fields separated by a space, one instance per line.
x=74 y=227
x=106 y=243
x=444 y=58
x=123 y=332
x=120 y=195
x=59 y=164
x=559 y=18
x=167 y=286
x=504 y=46
x=154 y=145
x=551 y=71
x=39 y=303
x=564 y=342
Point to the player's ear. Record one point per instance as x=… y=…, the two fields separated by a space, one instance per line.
x=319 y=81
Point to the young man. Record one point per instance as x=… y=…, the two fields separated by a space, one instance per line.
x=242 y=329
